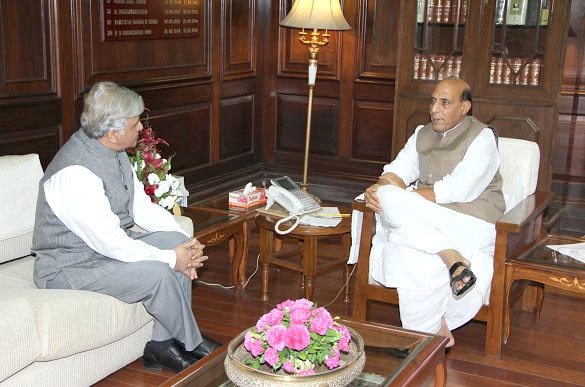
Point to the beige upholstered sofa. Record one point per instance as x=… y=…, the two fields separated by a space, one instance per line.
x=54 y=337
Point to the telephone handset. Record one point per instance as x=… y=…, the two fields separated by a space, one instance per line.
x=295 y=202
x=286 y=200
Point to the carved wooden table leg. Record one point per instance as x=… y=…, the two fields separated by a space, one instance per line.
x=309 y=265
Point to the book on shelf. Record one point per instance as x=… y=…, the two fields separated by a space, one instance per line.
x=516 y=12
x=441 y=11
x=420 y=11
x=515 y=71
x=436 y=67
x=544 y=12
x=500 y=11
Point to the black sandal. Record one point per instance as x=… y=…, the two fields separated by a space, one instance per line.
x=465 y=273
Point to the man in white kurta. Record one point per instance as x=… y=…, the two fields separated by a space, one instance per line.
x=427 y=223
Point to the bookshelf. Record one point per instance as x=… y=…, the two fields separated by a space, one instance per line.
x=511 y=52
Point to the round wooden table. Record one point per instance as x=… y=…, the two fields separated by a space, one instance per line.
x=310 y=266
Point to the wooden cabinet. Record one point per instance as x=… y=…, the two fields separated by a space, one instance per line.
x=511 y=52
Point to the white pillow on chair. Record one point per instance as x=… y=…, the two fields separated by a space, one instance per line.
x=519 y=162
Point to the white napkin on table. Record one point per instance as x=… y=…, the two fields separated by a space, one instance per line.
x=575 y=250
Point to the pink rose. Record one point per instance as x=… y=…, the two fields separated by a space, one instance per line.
x=333 y=361
x=321 y=322
x=284 y=304
x=297 y=337
x=247 y=340
x=299 y=315
x=303 y=303
x=288 y=367
x=271 y=356
x=274 y=317
x=256 y=347
x=276 y=337
x=345 y=338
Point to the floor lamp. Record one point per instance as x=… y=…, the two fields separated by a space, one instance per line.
x=314 y=15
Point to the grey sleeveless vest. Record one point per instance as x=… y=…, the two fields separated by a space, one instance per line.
x=439 y=154
x=57 y=249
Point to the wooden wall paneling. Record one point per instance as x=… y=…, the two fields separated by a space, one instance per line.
x=239 y=44
x=291 y=129
x=374 y=79
x=372 y=139
x=569 y=153
x=43 y=141
x=27 y=58
x=142 y=61
x=377 y=43
x=237 y=125
x=187 y=130
x=410 y=112
x=30 y=107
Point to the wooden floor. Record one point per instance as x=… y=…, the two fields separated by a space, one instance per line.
x=547 y=352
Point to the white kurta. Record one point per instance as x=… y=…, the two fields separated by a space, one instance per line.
x=411 y=230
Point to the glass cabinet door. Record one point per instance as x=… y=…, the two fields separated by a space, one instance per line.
x=520 y=35
x=440 y=32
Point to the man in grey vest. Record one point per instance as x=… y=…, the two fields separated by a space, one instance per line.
x=437 y=203
x=89 y=199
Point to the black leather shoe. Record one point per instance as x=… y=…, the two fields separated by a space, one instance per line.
x=205 y=348
x=174 y=358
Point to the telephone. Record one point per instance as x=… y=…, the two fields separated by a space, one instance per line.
x=307 y=202
x=285 y=199
x=294 y=200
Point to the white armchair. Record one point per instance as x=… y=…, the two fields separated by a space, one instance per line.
x=516 y=232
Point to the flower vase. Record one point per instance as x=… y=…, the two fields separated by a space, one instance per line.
x=350 y=366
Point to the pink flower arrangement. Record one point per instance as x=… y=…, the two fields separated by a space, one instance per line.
x=296 y=336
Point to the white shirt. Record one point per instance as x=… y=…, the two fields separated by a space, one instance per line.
x=77 y=198
x=469 y=178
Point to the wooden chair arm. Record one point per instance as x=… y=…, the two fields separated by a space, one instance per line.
x=366 y=233
x=360 y=205
x=525 y=212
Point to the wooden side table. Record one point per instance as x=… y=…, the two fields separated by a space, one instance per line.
x=238 y=250
x=309 y=265
x=547 y=267
x=212 y=228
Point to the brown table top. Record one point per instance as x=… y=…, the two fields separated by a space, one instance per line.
x=546 y=256
x=204 y=220
x=400 y=356
x=220 y=203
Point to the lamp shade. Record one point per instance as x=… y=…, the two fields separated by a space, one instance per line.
x=319 y=14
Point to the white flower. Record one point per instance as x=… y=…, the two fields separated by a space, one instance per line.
x=163 y=188
x=168 y=202
x=173 y=181
x=153 y=178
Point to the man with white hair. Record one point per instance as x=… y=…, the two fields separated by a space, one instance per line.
x=89 y=199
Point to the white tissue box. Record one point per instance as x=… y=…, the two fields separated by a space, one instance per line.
x=254 y=198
